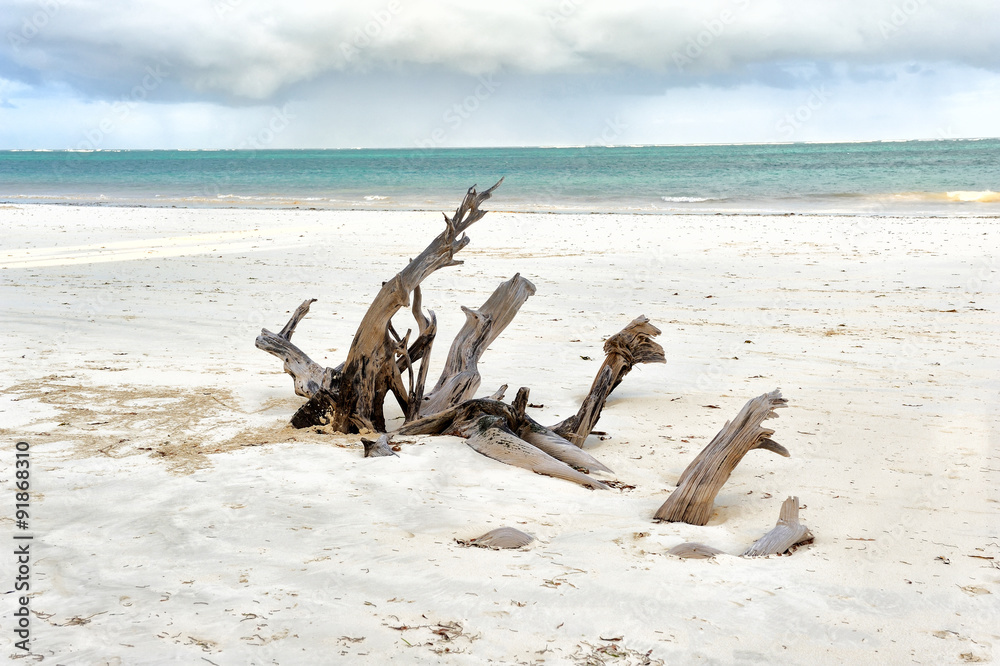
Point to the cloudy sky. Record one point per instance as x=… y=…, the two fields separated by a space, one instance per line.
x=400 y=73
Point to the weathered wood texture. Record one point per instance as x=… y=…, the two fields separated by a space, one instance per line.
x=379 y=448
x=370 y=370
x=542 y=438
x=490 y=436
x=505 y=433
x=350 y=397
x=623 y=351
x=787 y=532
x=419 y=351
x=694 y=497
x=460 y=377
x=307 y=375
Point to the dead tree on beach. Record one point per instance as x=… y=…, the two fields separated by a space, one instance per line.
x=349 y=397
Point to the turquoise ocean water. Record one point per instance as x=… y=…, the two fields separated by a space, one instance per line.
x=949 y=177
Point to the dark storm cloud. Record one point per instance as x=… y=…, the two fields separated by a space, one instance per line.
x=250 y=50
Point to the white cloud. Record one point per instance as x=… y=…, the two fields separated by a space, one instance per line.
x=209 y=73
x=252 y=49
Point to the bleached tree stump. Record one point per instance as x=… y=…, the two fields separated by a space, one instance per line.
x=697 y=487
x=350 y=396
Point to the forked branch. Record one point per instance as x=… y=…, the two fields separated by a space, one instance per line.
x=694 y=497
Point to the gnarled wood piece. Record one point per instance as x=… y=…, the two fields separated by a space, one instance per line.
x=350 y=396
x=307 y=375
x=371 y=370
x=787 y=532
x=454 y=420
x=623 y=350
x=460 y=377
x=500 y=538
x=420 y=351
x=449 y=421
x=490 y=436
x=694 y=497
x=379 y=448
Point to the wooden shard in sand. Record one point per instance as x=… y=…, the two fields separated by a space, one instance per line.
x=787 y=532
x=694 y=497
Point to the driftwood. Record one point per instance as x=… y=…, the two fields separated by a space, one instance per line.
x=623 y=350
x=307 y=375
x=787 y=532
x=541 y=437
x=500 y=538
x=694 y=497
x=460 y=377
x=490 y=436
x=379 y=448
x=505 y=433
x=350 y=396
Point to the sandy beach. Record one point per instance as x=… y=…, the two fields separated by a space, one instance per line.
x=177 y=518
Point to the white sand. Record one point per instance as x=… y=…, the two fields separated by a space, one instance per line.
x=128 y=359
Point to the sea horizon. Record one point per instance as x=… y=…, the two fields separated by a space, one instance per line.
x=499 y=146
x=935 y=177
